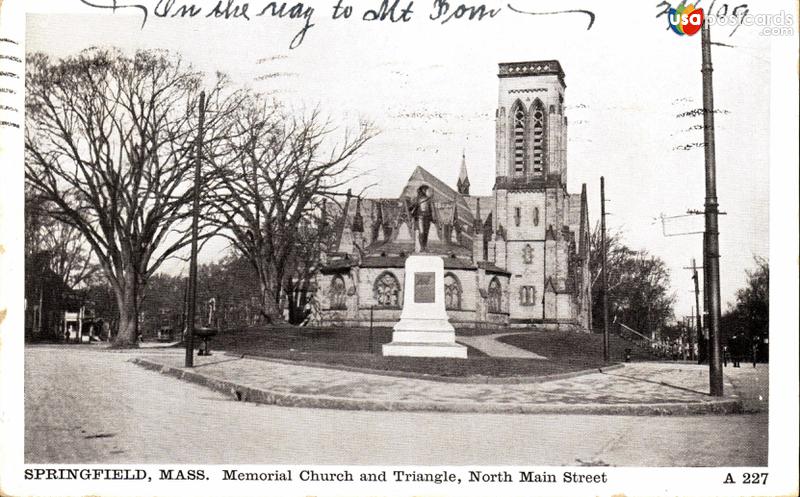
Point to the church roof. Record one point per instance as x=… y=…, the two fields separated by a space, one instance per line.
x=441 y=190
x=396 y=247
x=385 y=222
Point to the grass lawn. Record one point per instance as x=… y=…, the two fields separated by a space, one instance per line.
x=352 y=347
x=564 y=346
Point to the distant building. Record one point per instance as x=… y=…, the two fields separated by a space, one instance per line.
x=47 y=299
x=517 y=257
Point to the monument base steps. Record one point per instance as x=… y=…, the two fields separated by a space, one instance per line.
x=425 y=349
x=406 y=335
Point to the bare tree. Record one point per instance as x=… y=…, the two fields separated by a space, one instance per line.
x=639 y=290
x=276 y=170
x=749 y=315
x=315 y=235
x=61 y=245
x=109 y=145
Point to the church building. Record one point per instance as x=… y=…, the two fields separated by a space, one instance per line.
x=517 y=257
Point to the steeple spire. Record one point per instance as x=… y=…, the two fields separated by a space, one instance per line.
x=463 y=179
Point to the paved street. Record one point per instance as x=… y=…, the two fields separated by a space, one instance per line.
x=93 y=406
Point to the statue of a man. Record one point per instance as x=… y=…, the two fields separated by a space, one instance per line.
x=422 y=212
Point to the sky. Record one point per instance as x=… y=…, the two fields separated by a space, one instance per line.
x=431 y=90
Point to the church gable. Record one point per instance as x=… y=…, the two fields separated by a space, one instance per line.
x=421 y=177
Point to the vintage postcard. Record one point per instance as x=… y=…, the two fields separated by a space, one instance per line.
x=398 y=247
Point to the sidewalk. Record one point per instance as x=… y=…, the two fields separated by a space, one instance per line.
x=491 y=346
x=636 y=389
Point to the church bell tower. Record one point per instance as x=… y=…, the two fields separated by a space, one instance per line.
x=531 y=126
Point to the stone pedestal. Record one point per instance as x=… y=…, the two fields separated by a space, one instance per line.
x=424 y=329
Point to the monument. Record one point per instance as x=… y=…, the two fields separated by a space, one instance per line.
x=424 y=329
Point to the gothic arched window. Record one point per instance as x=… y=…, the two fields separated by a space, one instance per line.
x=387 y=290
x=519 y=139
x=495 y=296
x=452 y=292
x=527 y=295
x=538 y=127
x=338 y=293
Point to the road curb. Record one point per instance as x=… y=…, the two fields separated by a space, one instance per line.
x=476 y=380
x=252 y=394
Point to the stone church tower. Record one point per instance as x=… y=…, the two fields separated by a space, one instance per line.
x=536 y=220
x=531 y=126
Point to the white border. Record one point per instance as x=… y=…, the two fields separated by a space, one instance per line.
x=783 y=427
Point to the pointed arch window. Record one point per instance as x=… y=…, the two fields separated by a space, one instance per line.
x=338 y=293
x=520 y=125
x=538 y=136
x=387 y=290
x=495 y=296
x=452 y=292
x=527 y=295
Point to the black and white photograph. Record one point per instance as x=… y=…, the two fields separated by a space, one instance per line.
x=398 y=247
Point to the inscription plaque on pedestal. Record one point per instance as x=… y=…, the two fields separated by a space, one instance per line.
x=424 y=288
x=424 y=329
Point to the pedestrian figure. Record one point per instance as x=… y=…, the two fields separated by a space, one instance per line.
x=754 y=347
x=726 y=354
x=736 y=351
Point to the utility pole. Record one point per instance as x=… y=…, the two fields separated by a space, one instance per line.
x=711 y=264
x=198 y=155
x=697 y=312
x=701 y=348
x=706 y=293
x=603 y=266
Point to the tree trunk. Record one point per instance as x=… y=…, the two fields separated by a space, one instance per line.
x=270 y=304
x=127 y=301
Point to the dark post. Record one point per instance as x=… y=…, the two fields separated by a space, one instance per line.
x=706 y=293
x=371 y=310
x=185 y=309
x=698 y=314
x=192 y=308
x=712 y=226
x=603 y=267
